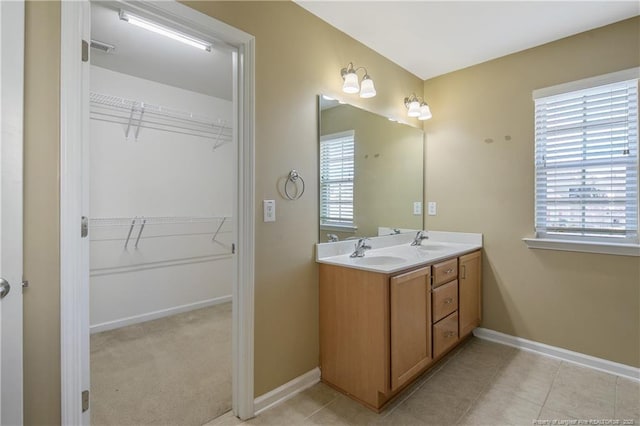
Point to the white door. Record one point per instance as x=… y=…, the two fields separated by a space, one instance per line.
x=11 y=111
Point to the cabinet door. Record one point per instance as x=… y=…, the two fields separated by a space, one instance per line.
x=410 y=325
x=470 y=292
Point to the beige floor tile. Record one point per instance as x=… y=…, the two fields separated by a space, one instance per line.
x=344 y=411
x=497 y=407
x=227 y=419
x=582 y=393
x=432 y=407
x=627 y=404
x=297 y=409
x=548 y=414
x=527 y=375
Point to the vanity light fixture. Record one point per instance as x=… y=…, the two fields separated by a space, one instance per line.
x=352 y=85
x=149 y=25
x=417 y=107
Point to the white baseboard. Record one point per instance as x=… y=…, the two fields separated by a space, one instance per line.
x=286 y=391
x=559 y=353
x=111 y=325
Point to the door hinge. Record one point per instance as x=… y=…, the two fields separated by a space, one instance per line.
x=233 y=248
x=85 y=400
x=85 y=51
x=84 y=227
x=25 y=284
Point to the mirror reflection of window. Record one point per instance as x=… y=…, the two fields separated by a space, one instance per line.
x=337 y=167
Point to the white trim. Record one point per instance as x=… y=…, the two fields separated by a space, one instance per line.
x=286 y=391
x=74 y=350
x=578 y=358
x=583 y=246
x=149 y=316
x=586 y=83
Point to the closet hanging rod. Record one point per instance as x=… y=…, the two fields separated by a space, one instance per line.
x=166 y=121
x=160 y=220
x=127 y=104
x=207 y=134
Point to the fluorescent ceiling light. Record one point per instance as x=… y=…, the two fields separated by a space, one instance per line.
x=167 y=32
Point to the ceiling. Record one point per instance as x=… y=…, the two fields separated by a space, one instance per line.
x=151 y=56
x=431 y=38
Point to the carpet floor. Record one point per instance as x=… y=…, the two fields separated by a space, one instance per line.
x=171 y=371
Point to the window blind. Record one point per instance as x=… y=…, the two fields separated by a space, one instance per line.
x=337 y=164
x=586 y=158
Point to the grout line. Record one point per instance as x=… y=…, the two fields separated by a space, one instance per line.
x=322 y=408
x=550 y=387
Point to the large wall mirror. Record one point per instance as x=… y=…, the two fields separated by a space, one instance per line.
x=371 y=173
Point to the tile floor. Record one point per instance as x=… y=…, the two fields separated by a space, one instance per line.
x=481 y=383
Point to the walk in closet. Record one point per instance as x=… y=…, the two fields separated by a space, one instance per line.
x=162 y=167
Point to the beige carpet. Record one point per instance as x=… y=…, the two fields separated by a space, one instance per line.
x=171 y=371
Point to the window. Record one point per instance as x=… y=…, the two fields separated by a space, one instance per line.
x=586 y=163
x=337 y=164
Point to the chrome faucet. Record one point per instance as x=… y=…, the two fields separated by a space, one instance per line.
x=421 y=235
x=332 y=238
x=361 y=246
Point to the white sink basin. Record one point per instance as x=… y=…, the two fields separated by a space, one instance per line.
x=378 y=260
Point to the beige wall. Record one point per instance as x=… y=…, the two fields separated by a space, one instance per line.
x=41 y=214
x=588 y=303
x=389 y=176
x=297 y=57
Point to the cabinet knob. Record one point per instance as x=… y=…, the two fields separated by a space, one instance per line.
x=448 y=300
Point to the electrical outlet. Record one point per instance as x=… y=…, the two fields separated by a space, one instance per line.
x=269 y=207
x=417 y=208
x=432 y=208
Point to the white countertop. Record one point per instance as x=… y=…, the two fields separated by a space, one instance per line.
x=393 y=253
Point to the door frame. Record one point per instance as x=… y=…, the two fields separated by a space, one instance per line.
x=74 y=300
x=12 y=40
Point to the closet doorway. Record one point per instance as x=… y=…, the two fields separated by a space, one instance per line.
x=162 y=161
x=161 y=157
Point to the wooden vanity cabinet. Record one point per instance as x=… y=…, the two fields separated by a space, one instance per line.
x=470 y=292
x=378 y=331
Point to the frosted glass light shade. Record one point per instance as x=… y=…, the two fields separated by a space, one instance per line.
x=351 y=83
x=414 y=109
x=367 y=90
x=425 y=112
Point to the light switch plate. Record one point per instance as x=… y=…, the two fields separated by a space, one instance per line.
x=432 y=208
x=417 y=208
x=269 y=207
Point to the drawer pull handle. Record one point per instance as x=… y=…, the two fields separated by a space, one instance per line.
x=464 y=272
x=448 y=271
x=449 y=334
x=448 y=300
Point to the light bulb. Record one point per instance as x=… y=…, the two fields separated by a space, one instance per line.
x=414 y=109
x=425 y=112
x=351 y=83
x=367 y=90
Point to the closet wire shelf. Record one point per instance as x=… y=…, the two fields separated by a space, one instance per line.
x=135 y=115
x=143 y=221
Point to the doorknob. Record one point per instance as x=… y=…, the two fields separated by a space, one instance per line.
x=4 y=288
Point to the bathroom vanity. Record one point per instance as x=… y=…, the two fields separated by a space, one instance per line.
x=385 y=318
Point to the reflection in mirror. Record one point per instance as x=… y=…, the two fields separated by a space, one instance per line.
x=371 y=173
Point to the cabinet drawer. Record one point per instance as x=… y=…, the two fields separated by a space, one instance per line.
x=444 y=272
x=445 y=334
x=445 y=300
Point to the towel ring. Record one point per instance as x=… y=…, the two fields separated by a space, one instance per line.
x=293 y=178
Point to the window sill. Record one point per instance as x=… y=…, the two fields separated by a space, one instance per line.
x=583 y=246
x=338 y=228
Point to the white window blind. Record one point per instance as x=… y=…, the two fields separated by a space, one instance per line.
x=587 y=164
x=337 y=164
